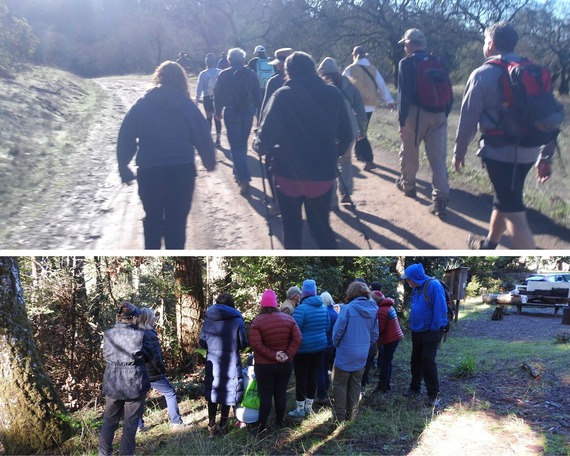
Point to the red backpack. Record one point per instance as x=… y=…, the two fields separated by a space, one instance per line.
x=433 y=86
x=530 y=115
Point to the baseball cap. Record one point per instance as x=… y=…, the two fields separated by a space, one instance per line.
x=413 y=34
x=259 y=48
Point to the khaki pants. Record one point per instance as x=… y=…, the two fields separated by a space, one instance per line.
x=346 y=393
x=431 y=128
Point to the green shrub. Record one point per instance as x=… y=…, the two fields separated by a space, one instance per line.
x=466 y=368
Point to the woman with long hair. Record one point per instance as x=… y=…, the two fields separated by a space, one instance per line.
x=162 y=129
x=156 y=370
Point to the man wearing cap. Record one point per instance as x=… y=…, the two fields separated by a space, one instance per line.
x=264 y=70
x=275 y=82
x=417 y=125
x=126 y=350
x=428 y=318
x=370 y=84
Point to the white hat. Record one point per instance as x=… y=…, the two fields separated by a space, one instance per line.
x=259 y=48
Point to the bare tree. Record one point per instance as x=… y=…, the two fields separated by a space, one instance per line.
x=33 y=417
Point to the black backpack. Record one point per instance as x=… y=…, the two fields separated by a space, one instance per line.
x=448 y=299
x=241 y=96
x=433 y=86
x=530 y=115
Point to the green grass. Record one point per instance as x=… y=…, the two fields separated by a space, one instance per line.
x=496 y=406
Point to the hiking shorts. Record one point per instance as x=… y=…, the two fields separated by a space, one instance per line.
x=508 y=182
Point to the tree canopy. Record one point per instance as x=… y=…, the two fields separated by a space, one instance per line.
x=102 y=37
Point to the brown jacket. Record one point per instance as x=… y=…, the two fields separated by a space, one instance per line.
x=273 y=332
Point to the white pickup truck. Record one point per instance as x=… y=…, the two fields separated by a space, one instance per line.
x=543 y=290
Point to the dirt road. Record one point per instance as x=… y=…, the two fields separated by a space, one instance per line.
x=222 y=219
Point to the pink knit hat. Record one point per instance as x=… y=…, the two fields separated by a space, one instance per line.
x=268 y=299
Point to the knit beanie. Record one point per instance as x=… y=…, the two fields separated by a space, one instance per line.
x=292 y=292
x=268 y=299
x=309 y=288
x=328 y=66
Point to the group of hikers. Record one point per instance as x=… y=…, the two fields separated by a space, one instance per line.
x=310 y=119
x=331 y=348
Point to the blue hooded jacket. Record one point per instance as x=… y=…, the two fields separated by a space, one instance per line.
x=424 y=315
x=356 y=328
x=313 y=320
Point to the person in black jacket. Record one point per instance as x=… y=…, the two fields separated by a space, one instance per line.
x=126 y=350
x=157 y=370
x=237 y=96
x=163 y=128
x=305 y=126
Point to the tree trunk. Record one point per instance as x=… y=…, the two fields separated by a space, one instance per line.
x=191 y=306
x=32 y=415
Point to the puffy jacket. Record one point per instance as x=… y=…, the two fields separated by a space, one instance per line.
x=355 y=330
x=313 y=320
x=333 y=317
x=388 y=324
x=155 y=367
x=163 y=128
x=424 y=315
x=126 y=349
x=223 y=335
x=273 y=332
x=308 y=120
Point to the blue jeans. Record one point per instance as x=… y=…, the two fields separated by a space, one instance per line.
x=164 y=387
x=385 y=356
x=238 y=128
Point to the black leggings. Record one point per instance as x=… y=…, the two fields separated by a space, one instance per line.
x=306 y=372
x=272 y=381
x=213 y=410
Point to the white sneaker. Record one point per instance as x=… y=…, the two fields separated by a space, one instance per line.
x=297 y=412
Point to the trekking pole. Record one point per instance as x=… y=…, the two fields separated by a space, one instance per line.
x=266 y=200
x=361 y=225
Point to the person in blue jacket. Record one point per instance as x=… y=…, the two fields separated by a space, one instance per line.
x=356 y=328
x=428 y=318
x=223 y=335
x=163 y=128
x=313 y=320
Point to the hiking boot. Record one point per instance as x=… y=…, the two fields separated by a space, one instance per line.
x=212 y=431
x=409 y=193
x=432 y=401
x=411 y=393
x=370 y=166
x=244 y=188
x=223 y=430
x=324 y=401
x=345 y=199
x=439 y=207
x=474 y=242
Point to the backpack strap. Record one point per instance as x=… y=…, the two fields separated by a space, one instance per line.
x=425 y=289
x=369 y=75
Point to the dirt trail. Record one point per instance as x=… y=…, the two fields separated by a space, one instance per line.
x=222 y=219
